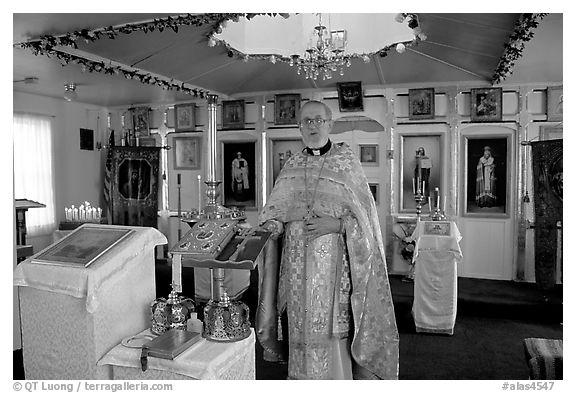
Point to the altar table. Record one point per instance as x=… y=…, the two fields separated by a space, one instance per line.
x=436 y=255
x=203 y=360
x=72 y=316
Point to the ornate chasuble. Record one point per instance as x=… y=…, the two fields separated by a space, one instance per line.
x=336 y=285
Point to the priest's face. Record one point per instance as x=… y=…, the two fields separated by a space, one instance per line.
x=315 y=125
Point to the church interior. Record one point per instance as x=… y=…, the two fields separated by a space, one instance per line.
x=129 y=129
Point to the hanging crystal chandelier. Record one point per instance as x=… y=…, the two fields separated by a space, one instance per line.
x=324 y=55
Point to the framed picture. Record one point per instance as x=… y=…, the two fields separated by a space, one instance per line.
x=83 y=246
x=239 y=165
x=350 y=96
x=184 y=118
x=141 y=121
x=338 y=39
x=135 y=177
x=282 y=150
x=368 y=154
x=374 y=188
x=550 y=132
x=421 y=157
x=487 y=163
x=286 y=109
x=233 y=115
x=147 y=141
x=421 y=104
x=486 y=104
x=187 y=152
x=86 y=139
x=554 y=100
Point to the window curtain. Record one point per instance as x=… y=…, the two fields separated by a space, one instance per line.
x=33 y=175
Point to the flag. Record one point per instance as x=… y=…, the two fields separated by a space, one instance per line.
x=107 y=178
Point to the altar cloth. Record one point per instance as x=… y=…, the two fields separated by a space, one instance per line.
x=436 y=255
x=72 y=316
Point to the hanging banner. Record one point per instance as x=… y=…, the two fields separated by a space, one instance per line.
x=548 y=185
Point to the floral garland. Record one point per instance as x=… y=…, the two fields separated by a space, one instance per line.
x=513 y=49
x=47 y=44
x=411 y=19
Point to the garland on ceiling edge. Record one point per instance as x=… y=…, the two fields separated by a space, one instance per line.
x=523 y=32
x=46 y=44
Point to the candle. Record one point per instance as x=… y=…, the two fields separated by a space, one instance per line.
x=413 y=186
x=199 y=193
x=444 y=206
x=74 y=213
x=437 y=195
x=430 y=204
x=423 y=188
x=418 y=183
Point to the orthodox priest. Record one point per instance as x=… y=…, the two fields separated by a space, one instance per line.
x=332 y=278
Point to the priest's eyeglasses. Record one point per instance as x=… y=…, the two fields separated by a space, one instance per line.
x=317 y=122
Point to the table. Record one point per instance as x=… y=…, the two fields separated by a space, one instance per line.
x=22 y=205
x=72 y=316
x=204 y=360
x=436 y=255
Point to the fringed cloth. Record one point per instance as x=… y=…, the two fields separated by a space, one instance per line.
x=544 y=357
x=350 y=264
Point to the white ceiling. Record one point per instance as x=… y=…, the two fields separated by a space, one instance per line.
x=460 y=49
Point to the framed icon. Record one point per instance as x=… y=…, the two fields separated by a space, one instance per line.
x=421 y=104
x=187 y=152
x=286 y=109
x=486 y=104
x=350 y=96
x=233 y=115
x=184 y=118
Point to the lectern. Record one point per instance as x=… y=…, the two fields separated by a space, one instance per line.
x=82 y=295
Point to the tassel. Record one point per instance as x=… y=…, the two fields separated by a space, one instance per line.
x=279 y=328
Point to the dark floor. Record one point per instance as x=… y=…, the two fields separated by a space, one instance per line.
x=492 y=320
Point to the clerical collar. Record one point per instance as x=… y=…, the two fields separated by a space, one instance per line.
x=319 y=152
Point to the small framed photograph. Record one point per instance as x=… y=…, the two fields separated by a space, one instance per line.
x=286 y=109
x=554 y=100
x=486 y=104
x=239 y=165
x=421 y=104
x=233 y=115
x=350 y=96
x=338 y=39
x=184 y=118
x=187 y=152
x=374 y=189
x=487 y=161
x=368 y=154
x=437 y=228
x=141 y=121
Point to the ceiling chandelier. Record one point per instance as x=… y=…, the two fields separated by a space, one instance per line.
x=70 y=93
x=324 y=55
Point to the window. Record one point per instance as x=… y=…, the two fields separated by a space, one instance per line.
x=33 y=178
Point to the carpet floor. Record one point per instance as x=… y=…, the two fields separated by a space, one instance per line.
x=493 y=319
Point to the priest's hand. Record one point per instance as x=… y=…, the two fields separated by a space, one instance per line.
x=321 y=224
